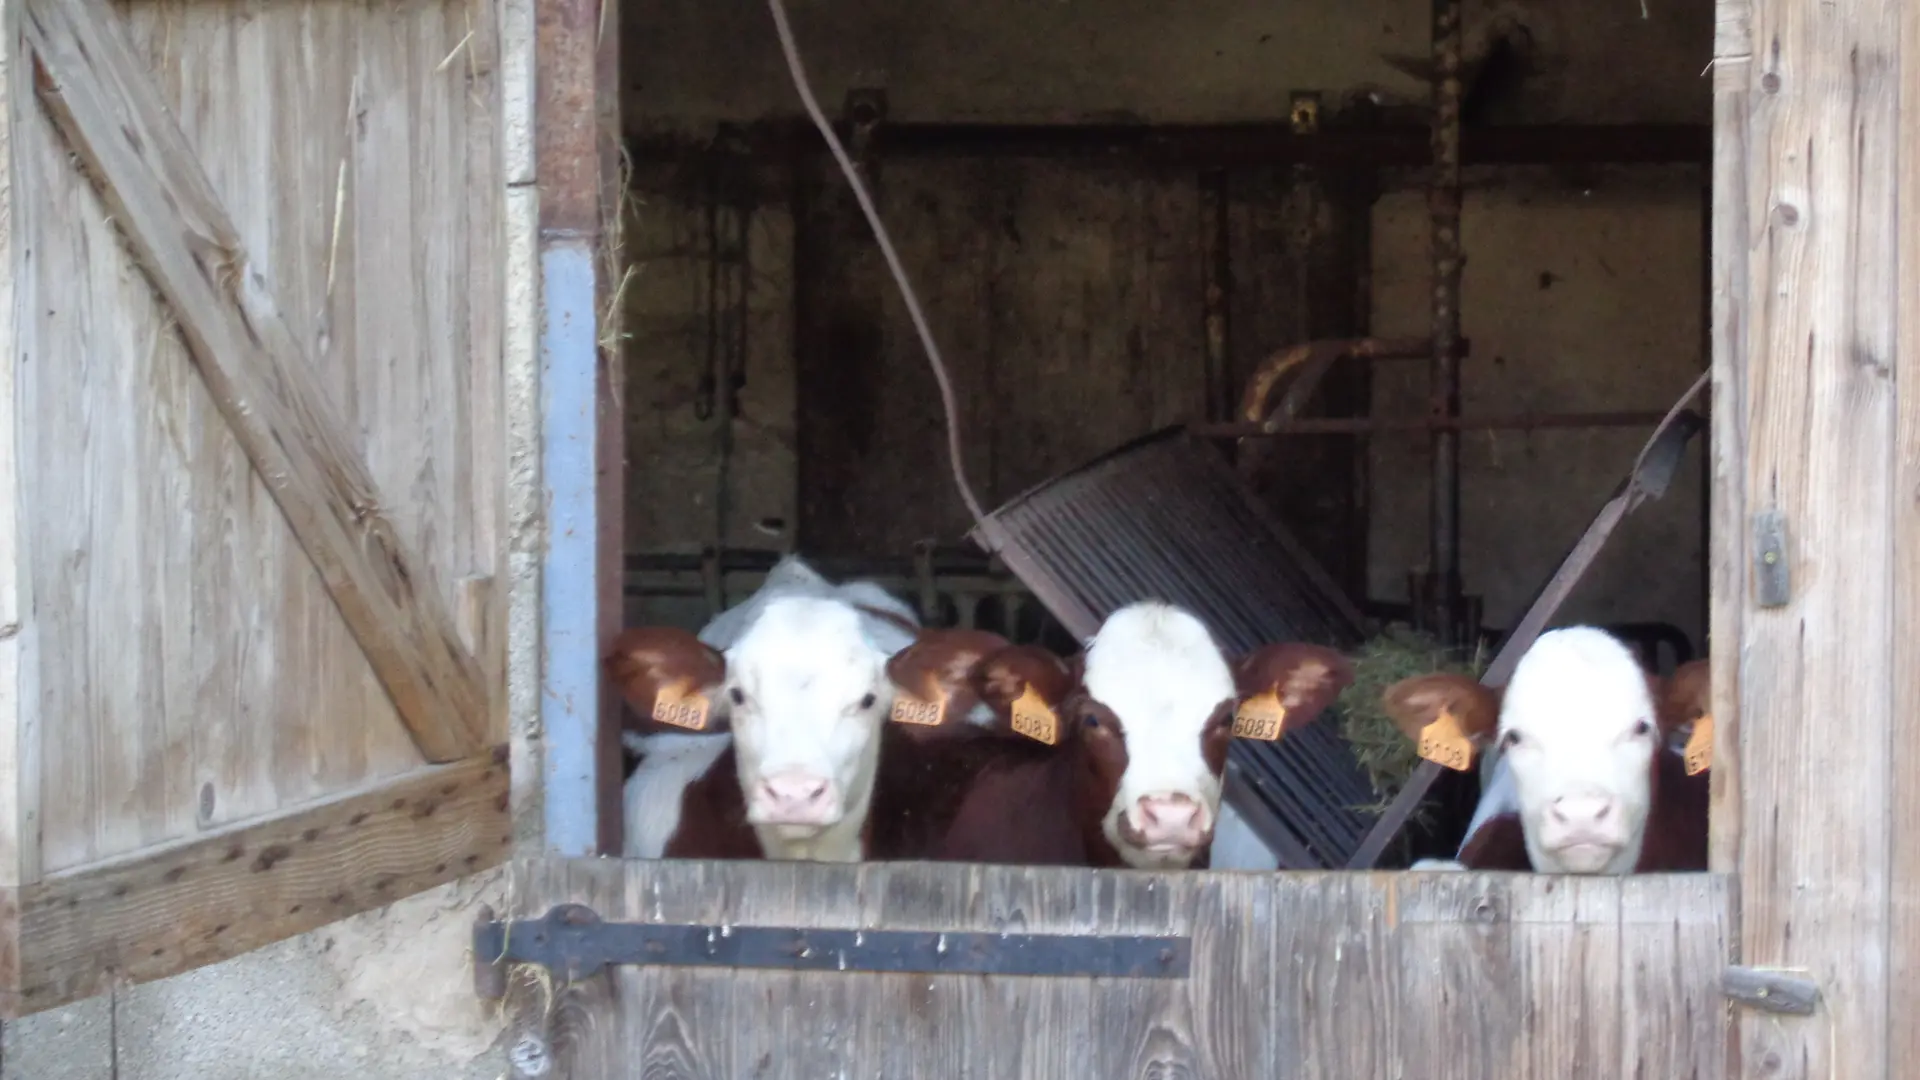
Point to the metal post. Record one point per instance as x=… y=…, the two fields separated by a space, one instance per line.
x=582 y=460
x=1443 y=208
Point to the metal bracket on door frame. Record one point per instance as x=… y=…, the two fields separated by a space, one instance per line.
x=572 y=942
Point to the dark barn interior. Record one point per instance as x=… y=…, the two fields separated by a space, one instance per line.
x=1114 y=215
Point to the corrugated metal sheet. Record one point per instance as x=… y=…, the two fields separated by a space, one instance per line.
x=1165 y=517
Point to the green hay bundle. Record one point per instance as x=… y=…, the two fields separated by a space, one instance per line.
x=1399 y=652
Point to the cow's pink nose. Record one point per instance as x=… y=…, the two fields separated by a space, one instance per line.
x=1170 y=820
x=795 y=797
x=1581 y=811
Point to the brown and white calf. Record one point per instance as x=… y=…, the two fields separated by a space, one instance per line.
x=1602 y=766
x=770 y=748
x=1138 y=724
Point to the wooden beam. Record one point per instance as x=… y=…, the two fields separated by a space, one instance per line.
x=112 y=114
x=172 y=909
x=19 y=733
x=1728 y=535
x=1820 y=741
x=1903 y=886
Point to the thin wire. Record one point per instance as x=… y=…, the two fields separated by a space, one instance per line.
x=799 y=73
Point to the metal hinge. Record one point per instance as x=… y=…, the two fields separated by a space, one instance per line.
x=573 y=943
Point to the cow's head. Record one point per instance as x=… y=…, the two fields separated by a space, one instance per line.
x=1578 y=723
x=803 y=691
x=1149 y=709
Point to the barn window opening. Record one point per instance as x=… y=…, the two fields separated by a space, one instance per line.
x=1212 y=449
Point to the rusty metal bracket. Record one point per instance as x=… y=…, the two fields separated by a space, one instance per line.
x=573 y=943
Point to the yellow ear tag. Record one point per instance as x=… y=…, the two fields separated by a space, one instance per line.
x=908 y=709
x=1443 y=743
x=1699 y=750
x=1260 y=717
x=682 y=708
x=1034 y=718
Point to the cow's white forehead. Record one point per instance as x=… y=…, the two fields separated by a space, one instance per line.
x=811 y=639
x=1576 y=680
x=1152 y=662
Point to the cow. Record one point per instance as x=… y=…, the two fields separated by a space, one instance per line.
x=1602 y=766
x=1133 y=735
x=763 y=736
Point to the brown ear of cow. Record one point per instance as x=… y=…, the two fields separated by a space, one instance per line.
x=1687 y=695
x=1282 y=687
x=1687 y=699
x=670 y=680
x=1026 y=687
x=932 y=677
x=1450 y=717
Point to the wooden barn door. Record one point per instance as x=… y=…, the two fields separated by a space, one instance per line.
x=251 y=477
x=1299 y=975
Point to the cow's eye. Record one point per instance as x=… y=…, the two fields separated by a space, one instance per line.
x=1642 y=729
x=866 y=702
x=738 y=697
x=1510 y=740
x=1092 y=720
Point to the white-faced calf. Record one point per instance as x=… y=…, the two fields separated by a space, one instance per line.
x=1590 y=778
x=789 y=718
x=1139 y=724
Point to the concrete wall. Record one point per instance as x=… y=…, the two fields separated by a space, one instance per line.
x=1576 y=297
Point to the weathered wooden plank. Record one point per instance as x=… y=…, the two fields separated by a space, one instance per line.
x=1674 y=935
x=1039 y=1029
x=19 y=742
x=178 y=227
x=1903 y=886
x=1822 y=307
x=790 y=1025
x=1232 y=985
x=185 y=905
x=1567 y=951
x=1727 y=569
x=1461 y=990
x=1336 y=1003
x=671 y=1023
x=1143 y=1028
x=918 y=1024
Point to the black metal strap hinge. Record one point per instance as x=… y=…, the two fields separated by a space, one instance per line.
x=573 y=942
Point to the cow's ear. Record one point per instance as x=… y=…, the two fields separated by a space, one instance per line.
x=1685 y=703
x=1449 y=717
x=670 y=679
x=1023 y=690
x=1284 y=686
x=932 y=678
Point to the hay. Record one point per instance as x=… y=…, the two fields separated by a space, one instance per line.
x=619 y=271
x=1398 y=652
